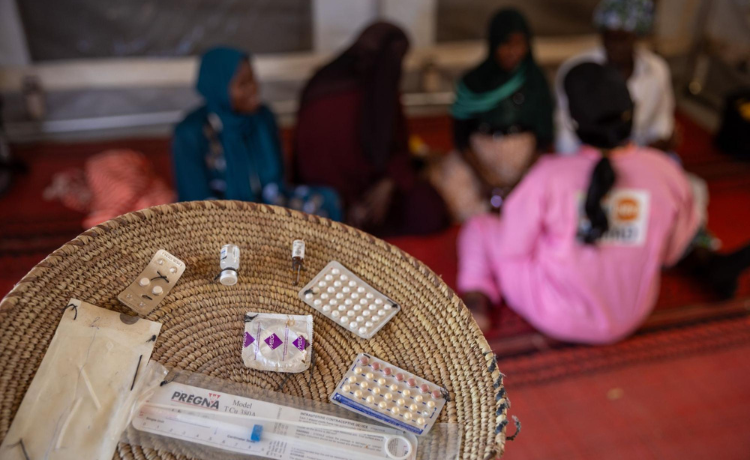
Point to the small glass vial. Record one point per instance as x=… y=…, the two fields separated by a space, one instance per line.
x=298 y=257
x=230 y=264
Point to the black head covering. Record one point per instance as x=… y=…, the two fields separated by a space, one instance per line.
x=529 y=108
x=373 y=63
x=489 y=75
x=600 y=104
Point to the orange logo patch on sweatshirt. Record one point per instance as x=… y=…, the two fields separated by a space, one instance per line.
x=627 y=209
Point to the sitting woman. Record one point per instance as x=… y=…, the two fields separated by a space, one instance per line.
x=582 y=240
x=229 y=148
x=502 y=116
x=352 y=136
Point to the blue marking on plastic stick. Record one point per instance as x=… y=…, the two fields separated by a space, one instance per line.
x=257 y=431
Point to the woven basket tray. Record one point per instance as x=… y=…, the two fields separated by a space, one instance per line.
x=434 y=336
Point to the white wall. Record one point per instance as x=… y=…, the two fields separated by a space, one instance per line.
x=180 y=72
x=337 y=22
x=417 y=17
x=13 y=48
x=729 y=28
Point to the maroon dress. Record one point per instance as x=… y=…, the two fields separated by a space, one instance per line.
x=328 y=152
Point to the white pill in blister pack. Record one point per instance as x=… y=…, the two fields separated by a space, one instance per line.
x=346 y=299
x=379 y=390
x=148 y=290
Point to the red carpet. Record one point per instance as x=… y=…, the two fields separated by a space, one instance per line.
x=676 y=390
x=686 y=404
x=31 y=227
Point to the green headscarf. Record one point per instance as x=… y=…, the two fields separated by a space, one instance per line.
x=484 y=93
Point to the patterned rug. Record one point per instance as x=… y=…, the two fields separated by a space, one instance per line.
x=664 y=342
x=680 y=394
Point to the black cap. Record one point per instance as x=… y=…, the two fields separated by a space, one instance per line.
x=600 y=104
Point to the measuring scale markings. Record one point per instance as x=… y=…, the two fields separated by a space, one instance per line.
x=218 y=433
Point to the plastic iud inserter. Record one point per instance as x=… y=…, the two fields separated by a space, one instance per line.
x=149 y=288
x=255 y=433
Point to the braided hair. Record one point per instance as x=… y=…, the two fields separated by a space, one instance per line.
x=601 y=107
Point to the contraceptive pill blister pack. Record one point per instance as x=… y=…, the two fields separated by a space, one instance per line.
x=381 y=391
x=347 y=300
x=145 y=293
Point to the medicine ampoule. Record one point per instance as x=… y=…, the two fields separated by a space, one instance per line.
x=230 y=264
x=298 y=257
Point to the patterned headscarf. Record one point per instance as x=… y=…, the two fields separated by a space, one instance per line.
x=635 y=16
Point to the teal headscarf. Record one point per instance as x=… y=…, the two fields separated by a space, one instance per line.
x=249 y=166
x=250 y=141
x=484 y=93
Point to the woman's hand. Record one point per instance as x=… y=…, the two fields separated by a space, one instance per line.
x=373 y=208
x=479 y=170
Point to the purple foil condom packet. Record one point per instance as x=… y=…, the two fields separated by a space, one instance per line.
x=278 y=343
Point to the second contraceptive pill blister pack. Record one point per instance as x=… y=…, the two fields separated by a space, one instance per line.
x=145 y=293
x=381 y=391
x=347 y=300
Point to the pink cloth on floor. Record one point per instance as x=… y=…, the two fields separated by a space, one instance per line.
x=572 y=291
x=110 y=184
x=122 y=181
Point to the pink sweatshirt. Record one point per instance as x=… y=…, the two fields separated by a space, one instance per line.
x=571 y=291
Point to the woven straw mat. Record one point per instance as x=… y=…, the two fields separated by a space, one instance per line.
x=434 y=336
